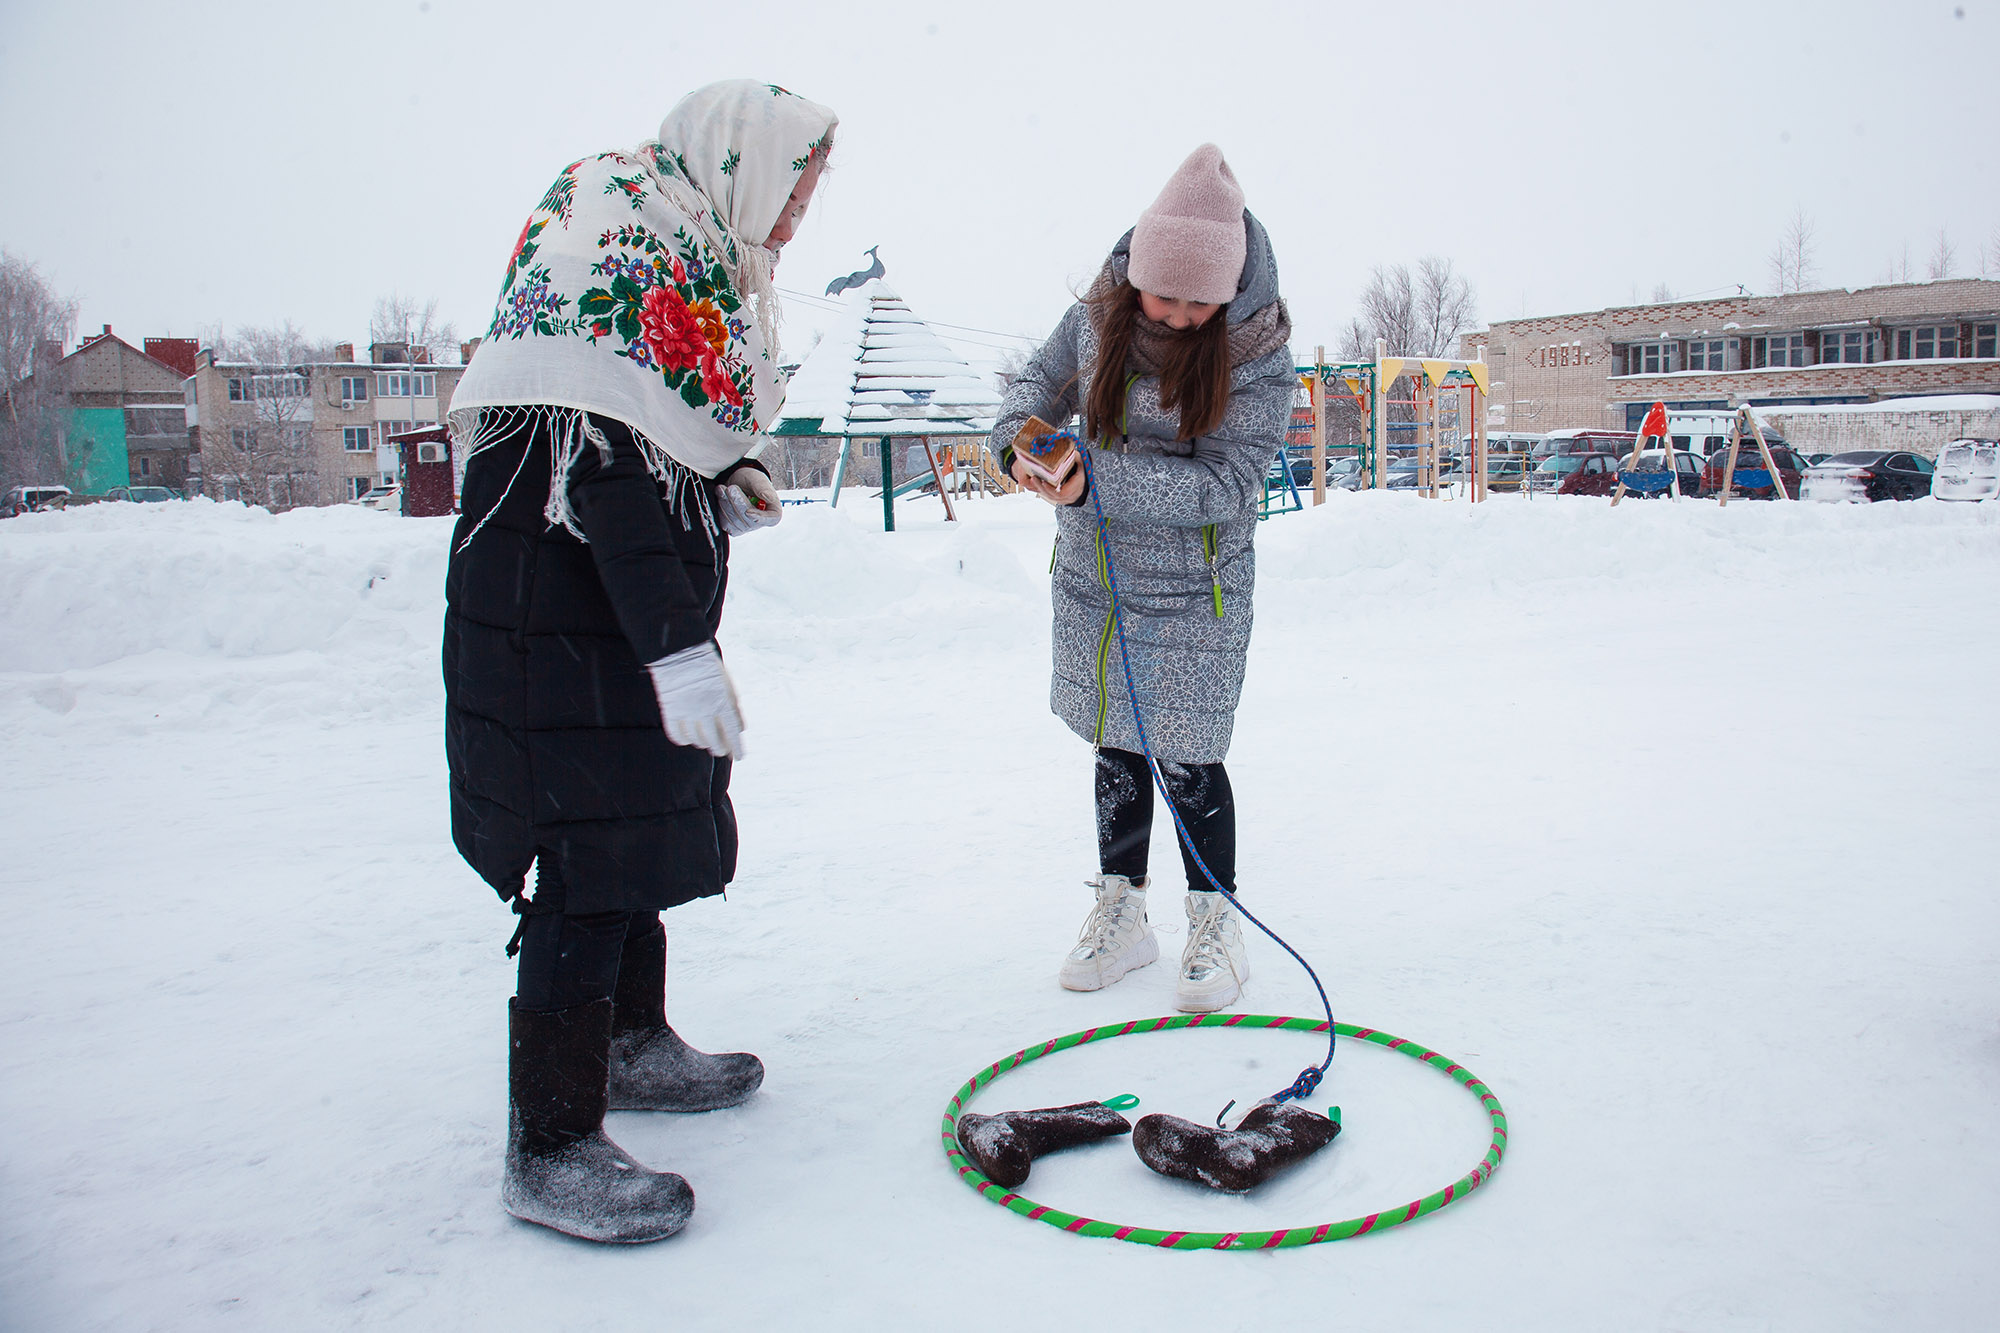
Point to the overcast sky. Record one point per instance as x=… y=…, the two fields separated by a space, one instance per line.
x=175 y=165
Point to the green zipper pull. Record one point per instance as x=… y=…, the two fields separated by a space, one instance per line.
x=1208 y=554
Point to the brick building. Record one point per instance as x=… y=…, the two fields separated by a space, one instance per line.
x=116 y=411
x=312 y=434
x=1605 y=367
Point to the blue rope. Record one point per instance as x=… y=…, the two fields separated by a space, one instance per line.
x=1308 y=1079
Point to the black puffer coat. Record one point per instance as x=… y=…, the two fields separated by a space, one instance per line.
x=552 y=730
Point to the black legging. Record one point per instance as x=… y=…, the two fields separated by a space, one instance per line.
x=1200 y=793
x=573 y=959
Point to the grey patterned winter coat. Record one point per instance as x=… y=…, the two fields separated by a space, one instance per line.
x=1181 y=536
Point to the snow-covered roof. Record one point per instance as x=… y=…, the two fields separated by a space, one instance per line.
x=880 y=370
x=1945 y=402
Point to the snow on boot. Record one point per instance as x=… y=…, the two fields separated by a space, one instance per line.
x=1004 y=1146
x=562 y=1172
x=652 y=1069
x=1115 y=937
x=1213 y=963
x=1271 y=1138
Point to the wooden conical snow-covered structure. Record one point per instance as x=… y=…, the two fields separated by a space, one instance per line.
x=881 y=374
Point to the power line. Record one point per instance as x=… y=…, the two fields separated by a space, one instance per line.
x=1014 y=340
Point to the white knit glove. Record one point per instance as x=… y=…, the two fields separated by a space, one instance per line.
x=697 y=702
x=746 y=502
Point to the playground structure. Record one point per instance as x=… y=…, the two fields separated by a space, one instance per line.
x=1650 y=482
x=886 y=378
x=1434 y=386
x=1770 y=476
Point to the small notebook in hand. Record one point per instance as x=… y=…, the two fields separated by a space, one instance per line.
x=1044 y=451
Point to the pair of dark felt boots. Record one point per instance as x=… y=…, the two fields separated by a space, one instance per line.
x=567 y=1067
x=1271 y=1137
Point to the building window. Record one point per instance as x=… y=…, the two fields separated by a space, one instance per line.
x=359 y=486
x=145 y=467
x=392 y=428
x=1649 y=359
x=244 y=440
x=401 y=385
x=1927 y=343
x=1784 y=349
x=268 y=386
x=1706 y=355
x=1984 y=342
x=356 y=439
x=354 y=388
x=1848 y=346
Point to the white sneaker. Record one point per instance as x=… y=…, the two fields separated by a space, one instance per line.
x=1115 y=937
x=1213 y=965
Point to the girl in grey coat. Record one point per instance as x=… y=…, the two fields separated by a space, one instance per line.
x=1176 y=359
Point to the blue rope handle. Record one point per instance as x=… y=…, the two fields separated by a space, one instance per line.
x=1308 y=1079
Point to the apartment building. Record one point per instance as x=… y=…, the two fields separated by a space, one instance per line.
x=1819 y=349
x=312 y=434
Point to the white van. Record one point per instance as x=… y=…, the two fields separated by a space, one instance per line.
x=1703 y=433
x=31 y=499
x=1967 y=470
x=1503 y=442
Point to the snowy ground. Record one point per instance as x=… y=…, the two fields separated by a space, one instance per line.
x=1673 y=823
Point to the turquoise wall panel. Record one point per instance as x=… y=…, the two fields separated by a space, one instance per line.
x=95 y=448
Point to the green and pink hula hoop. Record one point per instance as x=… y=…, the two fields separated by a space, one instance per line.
x=1279 y=1239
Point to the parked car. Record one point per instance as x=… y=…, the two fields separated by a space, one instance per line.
x=1338 y=470
x=1404 y=473
x=1553 y=473
x=1503 y=442
x=1343 y=474
x=1869 y=474
x=389 y=498
x=1582 y=440
x=1590 y=474
x=1968 y=470
x=1790 y=469
x=144 y=495
x=33 y=499
x=1506 y=472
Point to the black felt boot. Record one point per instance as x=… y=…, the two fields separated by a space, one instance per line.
x=652 y=1069
x=1004 y=1146
x=561 y=1170
x=1271 y=1138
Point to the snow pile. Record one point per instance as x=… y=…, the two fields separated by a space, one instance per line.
x=1671 y=822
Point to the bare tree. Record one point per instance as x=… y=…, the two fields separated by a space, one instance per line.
x=35 y=326
x=399 y=319
x=1007 y=367
x=1899 y=266
x=1356 y=343
x=1989 y=255
x=1424 y=315
x=263 y=451
x=1793 y=264
x=1662 y=294
x=267 y=345
x=1944 y=256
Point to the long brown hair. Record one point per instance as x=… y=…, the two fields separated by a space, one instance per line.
x=1194 y=370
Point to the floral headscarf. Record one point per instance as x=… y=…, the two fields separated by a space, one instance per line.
x=639 y=288
x=741 y=146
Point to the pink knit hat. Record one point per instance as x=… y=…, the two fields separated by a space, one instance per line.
x=1189 y=244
